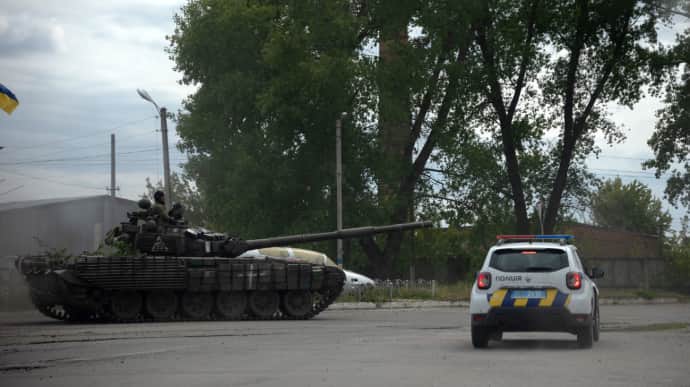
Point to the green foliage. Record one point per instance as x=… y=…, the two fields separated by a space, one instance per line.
x=629 y=207
x=116 y=247
x=56 y=256
x=671 y=139
x=646 y=294
x=273 y=77
x=677 y=251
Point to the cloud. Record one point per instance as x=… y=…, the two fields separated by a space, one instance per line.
x=24 y=34
x=57 y=36
x=4 y=25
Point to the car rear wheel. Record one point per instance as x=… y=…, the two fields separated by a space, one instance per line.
x=480 y=337
x=496 y=335
x=585 y=337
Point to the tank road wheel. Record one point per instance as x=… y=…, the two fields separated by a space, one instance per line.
x=53 y=311
x=161 y=305
x=231 y=305
x=126 y=305
x=197 y=305
x=297 y=303
x=263 y=303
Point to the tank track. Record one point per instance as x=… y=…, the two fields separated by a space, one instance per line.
x=63 y=312
x=334 y=280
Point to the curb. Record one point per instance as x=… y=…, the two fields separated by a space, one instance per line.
x=413 y=304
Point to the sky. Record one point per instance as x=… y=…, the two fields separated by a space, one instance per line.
x=75 y=71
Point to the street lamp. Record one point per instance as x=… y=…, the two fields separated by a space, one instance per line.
x=162 y=112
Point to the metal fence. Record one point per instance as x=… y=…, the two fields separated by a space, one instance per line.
x=625 y=272
x=388 y=290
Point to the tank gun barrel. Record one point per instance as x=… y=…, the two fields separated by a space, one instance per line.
x=356 y=232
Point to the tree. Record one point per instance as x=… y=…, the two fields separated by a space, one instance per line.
x=630 y=207
x=255 y=129
x=516 y=62
x=671 y=139
x=570 y=58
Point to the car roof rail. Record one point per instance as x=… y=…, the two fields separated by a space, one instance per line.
x=561 y=239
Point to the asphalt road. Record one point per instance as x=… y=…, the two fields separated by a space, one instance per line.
x=641 y=345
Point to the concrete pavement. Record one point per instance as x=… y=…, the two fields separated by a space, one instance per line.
x=641 y=345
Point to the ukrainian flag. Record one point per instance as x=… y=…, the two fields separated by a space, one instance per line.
x=8 y=101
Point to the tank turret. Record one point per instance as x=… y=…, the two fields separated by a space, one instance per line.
x=175 y=237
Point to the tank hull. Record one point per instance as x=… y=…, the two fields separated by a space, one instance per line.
x=161 y=288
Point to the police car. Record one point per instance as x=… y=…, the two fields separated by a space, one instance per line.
x=534 y=283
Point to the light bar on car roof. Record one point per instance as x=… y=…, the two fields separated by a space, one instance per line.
x=535 y=237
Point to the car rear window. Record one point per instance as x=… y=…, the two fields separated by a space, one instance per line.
x=529 y=260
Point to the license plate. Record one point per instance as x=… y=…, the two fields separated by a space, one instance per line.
x=528 y=294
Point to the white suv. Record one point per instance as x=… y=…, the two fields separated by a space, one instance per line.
x=534 y=283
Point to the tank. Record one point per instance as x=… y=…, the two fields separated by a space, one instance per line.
x=161 y=271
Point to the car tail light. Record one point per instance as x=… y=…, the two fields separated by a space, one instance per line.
x=573 y=280
x=484 y=280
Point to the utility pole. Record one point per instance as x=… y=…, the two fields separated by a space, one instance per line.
x=166 y=158
x=112 y=165
x=339 y=186
x=112 y=187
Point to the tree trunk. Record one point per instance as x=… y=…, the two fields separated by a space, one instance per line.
x=519 y=204
x=394 y=111
x=394 y=136
x=558 y=186
x=575 y=124
x=506 y=116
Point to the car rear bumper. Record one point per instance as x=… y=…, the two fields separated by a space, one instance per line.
x=510 y=319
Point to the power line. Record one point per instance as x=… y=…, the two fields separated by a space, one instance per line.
x=103 y=144
x=88 y=163
x=90 y=157
x=49 y=180
x=79 y=137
